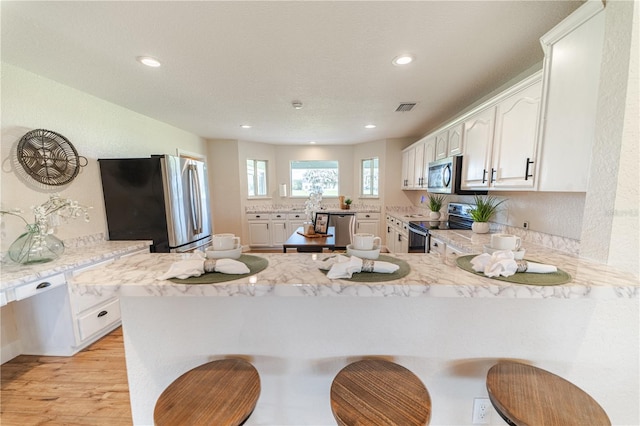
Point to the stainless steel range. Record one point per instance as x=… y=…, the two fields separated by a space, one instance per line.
x=458 y=218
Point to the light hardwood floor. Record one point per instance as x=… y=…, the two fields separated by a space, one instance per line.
x=89 y=388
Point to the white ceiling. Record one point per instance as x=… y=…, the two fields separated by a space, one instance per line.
x=231 y=63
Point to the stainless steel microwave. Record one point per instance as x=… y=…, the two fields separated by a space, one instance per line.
x=444 y=177
x=442 y=174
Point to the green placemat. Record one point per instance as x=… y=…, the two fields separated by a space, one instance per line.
x=528 y=278
x=255 y=264
x=375 y=277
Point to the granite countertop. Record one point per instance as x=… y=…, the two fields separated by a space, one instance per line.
x=298 y=275
x=83 y=254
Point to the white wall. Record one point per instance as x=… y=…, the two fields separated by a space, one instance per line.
x=97 y=129
x=610 y=231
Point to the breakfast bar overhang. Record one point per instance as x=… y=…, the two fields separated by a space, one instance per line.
x=448 y=326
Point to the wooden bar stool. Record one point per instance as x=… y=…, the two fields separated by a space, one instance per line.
x=378 y=392
x=526 y=395
x=222 y=392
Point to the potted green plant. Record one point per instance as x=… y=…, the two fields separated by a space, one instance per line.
x=484 y=210
x=347 y=203
x=435 y=204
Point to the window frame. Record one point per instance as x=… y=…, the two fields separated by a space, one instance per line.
x=373 y=176
x=293 y=190
x=256 y=179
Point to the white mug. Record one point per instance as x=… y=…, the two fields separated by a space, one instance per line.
x=505 y=242
x=365 y=241
x=225 y=242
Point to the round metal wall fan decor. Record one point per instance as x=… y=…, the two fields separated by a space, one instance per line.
x=48 y=157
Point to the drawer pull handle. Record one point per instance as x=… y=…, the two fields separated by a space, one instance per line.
x=43 y=285
x=102 y=313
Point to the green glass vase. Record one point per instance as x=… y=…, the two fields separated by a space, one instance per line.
x=35 y=247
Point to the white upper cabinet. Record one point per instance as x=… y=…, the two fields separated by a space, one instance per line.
x=418 y=166
x=515 y=139
x=573 y=55
x=455 y=141
x=478 y=137
x=408 y=162
x=500 y=141
x=442 y=145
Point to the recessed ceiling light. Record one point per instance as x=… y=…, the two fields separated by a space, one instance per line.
x=312 y=142
x=370 y=126
x=296 y=104
x=246 y=126
x=402 y=60
x=149 y=61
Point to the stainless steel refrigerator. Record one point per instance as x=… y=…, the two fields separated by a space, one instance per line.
x=162 y=198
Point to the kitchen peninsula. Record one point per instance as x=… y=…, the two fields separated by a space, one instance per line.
x=445 y=324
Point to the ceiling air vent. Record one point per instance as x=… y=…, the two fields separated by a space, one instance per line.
x=405 y=106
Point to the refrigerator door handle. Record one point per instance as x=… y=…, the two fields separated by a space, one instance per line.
x=196 y=202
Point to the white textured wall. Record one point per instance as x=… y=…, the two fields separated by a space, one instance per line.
x=224 y=186
x=625 y=229
x=610 y=226
x=97 y=129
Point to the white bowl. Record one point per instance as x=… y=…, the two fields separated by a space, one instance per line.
x=517 y=254
x=364 y=254
x=224 y=254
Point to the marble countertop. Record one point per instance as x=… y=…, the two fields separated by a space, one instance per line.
x=14 y=274
x=355 y=208
x=298 y=275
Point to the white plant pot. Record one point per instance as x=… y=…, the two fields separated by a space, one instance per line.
x=480 y=227
x=434 y=215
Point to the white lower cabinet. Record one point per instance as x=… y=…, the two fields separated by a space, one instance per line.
x=279 y=228
x=54 y=319
x=98 y=319
x=397 y=235
x=259 y=233
x=295 y=220
x=368 y=223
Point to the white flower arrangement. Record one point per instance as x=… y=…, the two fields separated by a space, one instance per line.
x=48 y=214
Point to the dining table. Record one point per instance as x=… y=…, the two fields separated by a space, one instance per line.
x=314 y=243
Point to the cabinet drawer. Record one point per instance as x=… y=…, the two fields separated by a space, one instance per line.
x=296 y=216
x=257 y=216
x=41 y=286
x=278 y=216
x=368 y=216
x=437 y=246
x=98 y=319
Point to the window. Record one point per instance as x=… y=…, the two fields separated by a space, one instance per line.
x=369 y=177
x=314 y=176
x=257 y=178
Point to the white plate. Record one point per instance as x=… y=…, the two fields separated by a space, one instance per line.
x=517 y=255
x=224 y=254
x=364 y=254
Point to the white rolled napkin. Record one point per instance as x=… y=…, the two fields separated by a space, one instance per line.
x=502 y=263
x=195 y=267
x=344 y=267
x=184 y=269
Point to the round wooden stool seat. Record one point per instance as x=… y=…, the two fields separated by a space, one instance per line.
x=527 y=395
x=378 y=392
x=223 y=392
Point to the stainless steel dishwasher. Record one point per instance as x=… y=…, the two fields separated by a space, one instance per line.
x=345 y=225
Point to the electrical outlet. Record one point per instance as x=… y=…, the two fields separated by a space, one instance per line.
x=481 y=411
x=525 y=225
